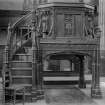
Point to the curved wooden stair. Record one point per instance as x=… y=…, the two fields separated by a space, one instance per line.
x=18 y=58
x=21 y=72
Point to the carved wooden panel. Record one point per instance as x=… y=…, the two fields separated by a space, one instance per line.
x=69 y=25
x=58 y=48
x=78 y=25
x=60 y=25
x=68 y=22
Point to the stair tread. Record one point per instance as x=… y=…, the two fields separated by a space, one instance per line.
x=21 y=76
x=22 y=84
x=22 y=61
x=17 y=68
x=24 y=54
x=26 y=93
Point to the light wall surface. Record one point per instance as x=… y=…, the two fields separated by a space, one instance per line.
x=11 y=4
x=102 y=25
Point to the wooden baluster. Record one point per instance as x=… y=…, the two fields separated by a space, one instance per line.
x=10 y=52
x=28 y=32
x=16 y=38
x=21 y=36
x=95 y=89
x=14 y=43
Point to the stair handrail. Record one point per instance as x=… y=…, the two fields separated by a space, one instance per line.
x=11 y=30
x=8 y=51
x=16 y=46
x=27 y=34
x=13 y=26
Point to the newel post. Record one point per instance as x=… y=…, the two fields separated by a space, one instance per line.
x=34 y=56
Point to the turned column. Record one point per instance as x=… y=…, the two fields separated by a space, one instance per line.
x=34 y=58
x=40 y=75
x=95 y=89
x=38 y=60
x=39 y=64
x=82 y=83
x=9 y=49
x=35 y=55
x=34 y=62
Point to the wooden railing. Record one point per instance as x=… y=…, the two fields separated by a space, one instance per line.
x=16 y=44
x=13 y=44
x=6 y=60
x=19 y=21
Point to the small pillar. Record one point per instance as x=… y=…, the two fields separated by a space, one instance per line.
x=34 y=65
x=40 y=76
x=95 y=89
x=82 y=83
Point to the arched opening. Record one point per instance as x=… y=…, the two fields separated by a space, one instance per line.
x=66 y=68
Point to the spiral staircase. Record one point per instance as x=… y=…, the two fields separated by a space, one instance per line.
x=18 y=58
